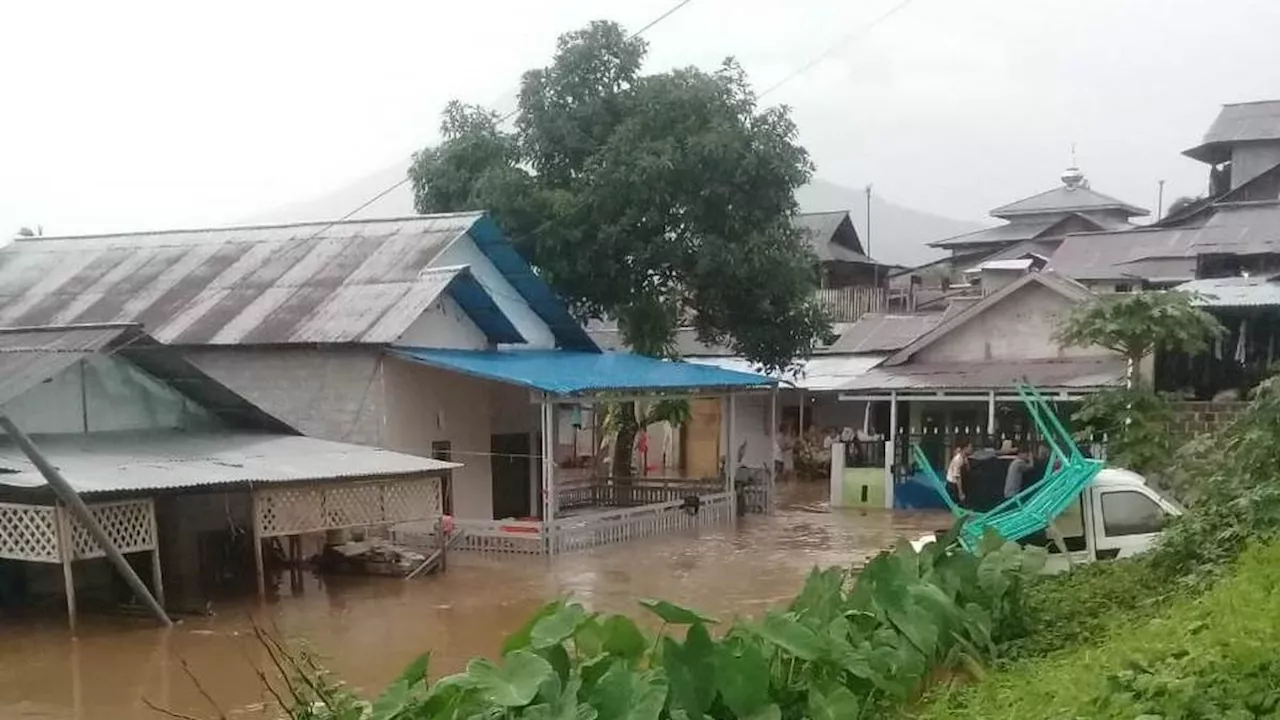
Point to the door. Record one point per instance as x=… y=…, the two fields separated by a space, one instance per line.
x=443 y=450
x=1126 y=522
x=511 y=465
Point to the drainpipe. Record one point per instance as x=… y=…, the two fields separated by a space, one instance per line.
x=75 y=504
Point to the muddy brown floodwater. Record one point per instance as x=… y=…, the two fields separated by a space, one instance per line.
x=369 y=628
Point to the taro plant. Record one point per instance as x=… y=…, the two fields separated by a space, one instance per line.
x=846 y=647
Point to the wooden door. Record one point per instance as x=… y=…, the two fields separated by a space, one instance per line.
x=702 y=439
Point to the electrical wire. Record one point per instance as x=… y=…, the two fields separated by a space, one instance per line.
x=838 y=45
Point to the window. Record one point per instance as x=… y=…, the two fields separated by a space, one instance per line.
x=1130 y=513
x=1124 y=287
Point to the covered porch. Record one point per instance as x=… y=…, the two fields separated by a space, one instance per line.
x=553 y=483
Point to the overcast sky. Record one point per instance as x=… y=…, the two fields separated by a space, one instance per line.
x=130 y=115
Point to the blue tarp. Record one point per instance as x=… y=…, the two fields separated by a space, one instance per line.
x=568 y=372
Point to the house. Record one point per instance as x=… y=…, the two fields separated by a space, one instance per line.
x=1236 y=230
x=427 y=335
x=172 y=464
x=1033 y=229
x=851 y=283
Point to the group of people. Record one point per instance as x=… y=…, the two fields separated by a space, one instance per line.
x=1023 y=470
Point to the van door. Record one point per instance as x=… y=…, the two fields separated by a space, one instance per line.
x=1126 y=521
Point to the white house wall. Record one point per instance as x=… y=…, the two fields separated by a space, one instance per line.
x=444 y=325
x=751 y=426
x=424 y=405
x=464 y=251
x=1019 y=327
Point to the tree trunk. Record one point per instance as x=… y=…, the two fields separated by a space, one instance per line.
x=624 y=453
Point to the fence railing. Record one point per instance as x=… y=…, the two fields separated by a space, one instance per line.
x=849 y=304
x=632 y=492
x=605 y=528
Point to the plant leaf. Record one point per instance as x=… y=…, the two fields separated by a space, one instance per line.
x=623 y=638
x=673 y=614
x=513 y=684
x=558 y=626
x=791 y=636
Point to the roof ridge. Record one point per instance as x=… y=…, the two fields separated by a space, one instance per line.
x=255 y=226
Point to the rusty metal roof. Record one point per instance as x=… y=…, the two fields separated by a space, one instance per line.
x=146 y=462
x=345 y=282
x=1065 y=374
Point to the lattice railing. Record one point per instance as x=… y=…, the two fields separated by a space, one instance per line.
x=334 y=506
x=129 y=524
x=29 y=533
x=605 y=528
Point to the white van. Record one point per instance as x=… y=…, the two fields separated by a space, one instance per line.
x=1117 y=516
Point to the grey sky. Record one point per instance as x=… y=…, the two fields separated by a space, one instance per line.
x=131 y=115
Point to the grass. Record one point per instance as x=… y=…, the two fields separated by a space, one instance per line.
x=1212 y=656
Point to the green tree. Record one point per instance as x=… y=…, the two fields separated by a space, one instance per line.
x=1135 y=325
x=659 y=201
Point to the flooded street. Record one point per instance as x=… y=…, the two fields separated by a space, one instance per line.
x=369 y=628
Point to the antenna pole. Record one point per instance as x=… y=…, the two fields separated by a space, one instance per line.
x=1160 y=201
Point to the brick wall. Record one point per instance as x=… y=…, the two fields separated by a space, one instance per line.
x=1193 y=418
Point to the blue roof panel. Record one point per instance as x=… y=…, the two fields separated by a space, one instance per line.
x=535 y=291
x=566 y=372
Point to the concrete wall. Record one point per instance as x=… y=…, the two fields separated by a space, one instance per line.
x=1019 y=327
x=464 y=251
x=1249 y=160
x=1197 y=418
x=334 y=394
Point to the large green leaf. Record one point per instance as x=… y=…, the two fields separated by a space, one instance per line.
x=513 y=684
x=521 y=639
x=742 y=677
x=558 y=626
x=407 y=688
x=998 y=569
x=623 y=638
x=564 y=706
x=691 y=671
x=625 y=694
x=835 y=703
x=822 y=596
x=673 y=614
x=789 y=635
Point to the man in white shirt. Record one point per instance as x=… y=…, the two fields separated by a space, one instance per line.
x=956 y=470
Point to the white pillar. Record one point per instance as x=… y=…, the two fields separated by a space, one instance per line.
x=548 y=477
x=773 y=451
x=837 y=475
x=991 y=414
x=891 y=450
x=731 y=455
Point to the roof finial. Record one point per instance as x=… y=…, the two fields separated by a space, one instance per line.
x=1072 y=177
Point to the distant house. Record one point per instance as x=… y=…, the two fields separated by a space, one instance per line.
x=1237 y=230
x=428 y=335
x=851 y=282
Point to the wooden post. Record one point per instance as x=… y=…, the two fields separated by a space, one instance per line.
x=773 y=451
x=66 y=551
x=157 y=578
x=548 y=477
x=257 y=544
x=75 y=504
x=731 y=458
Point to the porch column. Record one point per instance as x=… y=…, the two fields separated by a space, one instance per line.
x=893 y=417
x=891 y=451
x=548 y=476
x=773 y=450
x=991 y=414
x=66 y=551
x=731 y=457
x=256 y=537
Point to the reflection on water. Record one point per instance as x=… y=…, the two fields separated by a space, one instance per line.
x=369 y=628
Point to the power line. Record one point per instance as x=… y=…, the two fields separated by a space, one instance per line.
x=838 y=45
x=401 y=182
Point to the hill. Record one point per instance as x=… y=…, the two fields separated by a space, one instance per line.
x=899 y=233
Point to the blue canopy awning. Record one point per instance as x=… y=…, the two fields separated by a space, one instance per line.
x=567 y=372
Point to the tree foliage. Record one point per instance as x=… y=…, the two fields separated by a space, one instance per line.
x=657 y=200
x=1134 y=325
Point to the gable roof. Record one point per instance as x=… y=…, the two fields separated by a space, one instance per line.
x=1064 y=199
x=1057 y=283
x=31 y=356
x=833 y=237
x=346 y=282
x=1237 y=123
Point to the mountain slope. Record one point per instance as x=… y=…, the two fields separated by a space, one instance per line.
x=898 y=236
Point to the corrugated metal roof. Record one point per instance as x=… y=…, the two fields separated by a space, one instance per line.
x=818 y=373
x=1242 y=228
x=345 y=282
x=1239 y=122
x=147 y=462
x=30 y=356
x=1063 y=199
x=1014 y=231
x=1236 y=291
x=882 y=333
x=833 y=237
x=1081 y=374
x=563 y=372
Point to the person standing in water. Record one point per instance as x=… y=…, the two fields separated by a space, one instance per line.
x=957 y=469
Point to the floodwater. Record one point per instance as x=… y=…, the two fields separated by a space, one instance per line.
x=367 y=629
